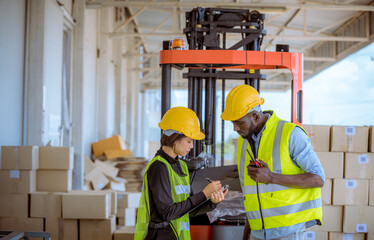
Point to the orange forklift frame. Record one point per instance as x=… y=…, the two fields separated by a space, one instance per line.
x=242 y=59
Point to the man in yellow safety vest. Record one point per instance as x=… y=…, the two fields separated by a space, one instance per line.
x=280 y=174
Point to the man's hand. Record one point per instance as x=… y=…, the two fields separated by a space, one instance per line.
x=262 y=174
x=218 y=196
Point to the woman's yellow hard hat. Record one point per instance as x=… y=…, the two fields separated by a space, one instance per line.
x=183 y=120
x=240 y=100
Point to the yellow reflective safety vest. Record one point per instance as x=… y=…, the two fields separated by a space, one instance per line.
x=180 y=191
x=272 y=205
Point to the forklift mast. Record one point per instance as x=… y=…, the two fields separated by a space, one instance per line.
x=209 y=59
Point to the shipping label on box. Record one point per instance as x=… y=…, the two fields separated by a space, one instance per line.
x=312 y=235
x=54 y=180
x=332 y=219
x=349 y=139
x=19 y=157
x=350 y=192
x=17 y=181
x=319 y=137
x=46 y=205
x=358 y=219
x=56 y=158
x=332 y=163
x=86 y=205
x=359 y=165
x=14 y=205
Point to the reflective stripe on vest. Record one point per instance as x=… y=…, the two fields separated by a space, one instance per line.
x=281 y=205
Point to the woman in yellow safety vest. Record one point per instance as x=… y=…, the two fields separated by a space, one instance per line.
x=165 y=202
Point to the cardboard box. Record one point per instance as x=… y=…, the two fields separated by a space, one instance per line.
x=349 y=139
x=19 y=157
x=97 y=229
x=117 y=186
x=97 y=178
x=326 y=192
x=115 y=153
x=17 y=181
x=113 y=143
x=358 y=219
x=54 y=180
x=332 y=163
x=86 y=205
x=332 y=220
x=124 y=233
x=46 y=205
x=22 y=224
x=89 y=166
x=312 y=235
x=107 y=168
x=129 y=216
x=346 y=236
x=54 y=226
x=52 y=158
x=371 y=193
x=14 y=205
x=319 y=137
x=128 y=200
x=371 y=139
x=70 y=229
x=350 y=192
x=359 y=165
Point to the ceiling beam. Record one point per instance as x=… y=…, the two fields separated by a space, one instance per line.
x=275 y=6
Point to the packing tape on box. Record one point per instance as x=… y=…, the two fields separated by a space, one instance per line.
x=363 y=159
x=16 y=157
x=350 y=132
x=350 y=184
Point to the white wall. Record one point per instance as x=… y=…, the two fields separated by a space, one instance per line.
x=12 y=38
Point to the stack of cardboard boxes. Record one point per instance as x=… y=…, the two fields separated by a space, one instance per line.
x=35 y=195
x=347 y=156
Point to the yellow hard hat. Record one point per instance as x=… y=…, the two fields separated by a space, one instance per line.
x=184 y=120
x=240 y=100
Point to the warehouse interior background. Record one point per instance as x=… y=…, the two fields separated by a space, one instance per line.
x=73 y=72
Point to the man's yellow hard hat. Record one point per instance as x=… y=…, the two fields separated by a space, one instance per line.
x=183 y=120
x=240 y=100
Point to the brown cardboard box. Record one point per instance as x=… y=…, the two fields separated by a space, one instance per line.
x=22 y=224
x=371 y=139
x=53 y=158
x=349 y=139
x=17 y=181
x=113 y=201
x=350 y=192
x=332 y=220
x=312 y=235
x=19 y=157
x=97 y=178
x=319 y=137
x=14 y=205
x=371 y=193
x=128 y=214
x=70 y=229
x=332 y=163
x=326 y=192
x=54 y=226
x=358 y=219
x=97 y=229
x=116 y=186
x=46 y=205
x=128 y=200
x=107 y=168
x=124 y=233
x=54 y=180
x=115 y=142
x=115 y=153
x=346 y=236
x=86 y=205
x=370 y=236
x=359 y=165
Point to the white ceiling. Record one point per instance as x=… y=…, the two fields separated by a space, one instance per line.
x=325 y=31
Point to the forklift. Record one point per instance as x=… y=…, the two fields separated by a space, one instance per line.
x=210 y=62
